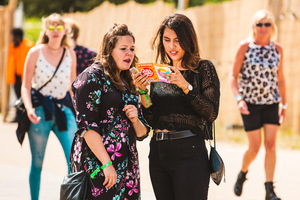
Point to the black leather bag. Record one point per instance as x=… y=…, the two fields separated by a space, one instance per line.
x=74 y=186
x=20 y=105
x=217 y=167
x=23 y=121
x=23 y=126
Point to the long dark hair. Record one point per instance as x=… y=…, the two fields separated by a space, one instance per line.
x=104 y=56
x=187 y=38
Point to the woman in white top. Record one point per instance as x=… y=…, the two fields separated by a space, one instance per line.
x=51 y=107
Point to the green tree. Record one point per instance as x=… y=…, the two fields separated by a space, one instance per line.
x=39 y=8
x=145 y=1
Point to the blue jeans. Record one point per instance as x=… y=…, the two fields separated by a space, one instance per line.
x=38 y=135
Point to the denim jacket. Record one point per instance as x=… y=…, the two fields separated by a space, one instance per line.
x=53 y=106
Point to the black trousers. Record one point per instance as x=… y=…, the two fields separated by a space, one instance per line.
x=179 y=169
x=17 y=86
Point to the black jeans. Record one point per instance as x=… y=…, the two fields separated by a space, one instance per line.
x=179 y=169
x=17 y=86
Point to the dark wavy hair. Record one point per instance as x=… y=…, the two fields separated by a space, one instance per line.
x=104 y=56
x=187 y=38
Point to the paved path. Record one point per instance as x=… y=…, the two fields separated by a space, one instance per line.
x=15 y=163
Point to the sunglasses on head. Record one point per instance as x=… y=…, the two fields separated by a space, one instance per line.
x=52 y=28
x=268 y=24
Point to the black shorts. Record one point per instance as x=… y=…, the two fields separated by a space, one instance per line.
x=260 y=115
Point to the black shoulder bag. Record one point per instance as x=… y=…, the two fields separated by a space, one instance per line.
x=75 y=184
x=217 y=167
x=23 y=121
x=216 y=164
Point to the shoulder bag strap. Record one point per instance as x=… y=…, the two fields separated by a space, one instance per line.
x=213 y=129
x=213 y=124
x=54 y=71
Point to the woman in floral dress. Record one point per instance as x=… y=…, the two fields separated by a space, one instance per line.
x=109 y=119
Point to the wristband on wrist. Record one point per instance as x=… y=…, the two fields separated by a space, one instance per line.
x=283 y=106
x=106 y=165
x=238 y=98
x=141 y=92
x=95 y=173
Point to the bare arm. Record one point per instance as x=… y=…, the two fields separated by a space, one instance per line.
x=141 y=82
x=144 y=100
x=94 y=141
x=281 y=84
x=236 y=68
x=29 y=69
x=73 y=68
x=233 y=76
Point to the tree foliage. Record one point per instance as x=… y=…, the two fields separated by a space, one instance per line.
x=39 y=8
x=3 y=2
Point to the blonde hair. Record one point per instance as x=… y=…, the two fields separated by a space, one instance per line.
x=258 y=16
x=53 y=18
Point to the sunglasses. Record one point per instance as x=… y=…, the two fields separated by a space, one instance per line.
x=59 y=27
x=268 y=24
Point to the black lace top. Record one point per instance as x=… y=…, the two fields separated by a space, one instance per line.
x=172 y=109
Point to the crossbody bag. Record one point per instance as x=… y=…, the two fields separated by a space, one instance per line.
x=23 y=121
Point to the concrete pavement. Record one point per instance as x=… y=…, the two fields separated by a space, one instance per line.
x=15 y=164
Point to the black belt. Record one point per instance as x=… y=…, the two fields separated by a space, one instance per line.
x=172 y=135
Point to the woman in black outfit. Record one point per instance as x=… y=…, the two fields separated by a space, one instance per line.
x=180 y=112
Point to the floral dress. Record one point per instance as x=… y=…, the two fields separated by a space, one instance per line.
x=98 y=106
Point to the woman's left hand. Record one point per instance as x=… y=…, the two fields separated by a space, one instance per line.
x=177 y=78
x=131 y=112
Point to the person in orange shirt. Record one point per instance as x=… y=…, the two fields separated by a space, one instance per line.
x=17 y=53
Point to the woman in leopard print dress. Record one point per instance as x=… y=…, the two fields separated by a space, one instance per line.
x=258 y=84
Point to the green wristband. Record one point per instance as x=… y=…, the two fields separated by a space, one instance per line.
x=148 y=101
x=146 y=95
x=95 y=173
x=106 y=165
x=143 y=92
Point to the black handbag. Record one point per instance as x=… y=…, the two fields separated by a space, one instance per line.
x=23 y=121
x=217 y=167
x=74 y=186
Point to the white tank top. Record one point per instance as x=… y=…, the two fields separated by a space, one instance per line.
x=60 y=83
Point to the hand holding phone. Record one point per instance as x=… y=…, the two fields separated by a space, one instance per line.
x=134 y=71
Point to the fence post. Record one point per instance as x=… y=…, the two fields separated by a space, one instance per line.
x=6 y=26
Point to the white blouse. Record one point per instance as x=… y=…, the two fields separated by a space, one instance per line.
x=60 y=83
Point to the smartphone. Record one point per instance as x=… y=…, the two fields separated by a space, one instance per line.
x=134 y=71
